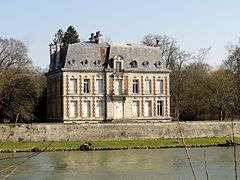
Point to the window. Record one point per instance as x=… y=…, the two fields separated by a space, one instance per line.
x=97 y=63
x=86 y=86
x=73 y=109
x=118 y=66
x=99 y=86
x=99 y=108
x=117 y=86
x=72 y=62
x=148 y=86
x=135 y=108
x=73 y=86
x=159 y=88
x=145 y=63
x=159 y=108
x=134 y=64
x=148 y=108
x=135 y=86
x=85 y=62
x=86 y=109
x=158 y=64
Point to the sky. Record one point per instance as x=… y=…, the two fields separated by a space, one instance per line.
x=194 y=24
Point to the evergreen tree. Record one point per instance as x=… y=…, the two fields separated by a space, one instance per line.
x=59 y=36
x=70 y=36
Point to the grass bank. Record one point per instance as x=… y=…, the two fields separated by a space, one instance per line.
x=111 y=145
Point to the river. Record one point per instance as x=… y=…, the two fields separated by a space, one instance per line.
x=165 y=164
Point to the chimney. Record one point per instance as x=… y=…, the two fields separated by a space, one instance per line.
x=157 y=42
x=91 y=39
x=98 y=37
x=58 y=51
x=52 y=49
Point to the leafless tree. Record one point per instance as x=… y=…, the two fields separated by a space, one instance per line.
x=167 y=45
x=13 y=54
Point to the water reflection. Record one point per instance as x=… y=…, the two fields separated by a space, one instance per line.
x=170 y=164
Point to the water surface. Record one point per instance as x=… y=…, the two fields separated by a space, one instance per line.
x=165 y=164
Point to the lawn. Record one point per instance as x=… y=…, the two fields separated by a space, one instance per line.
x=163 y=143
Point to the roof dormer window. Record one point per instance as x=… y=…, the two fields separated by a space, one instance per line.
x=72 y=62
x=134 y=64
x=85 y=62
x=118 y=63
x=145 y=63
x=158 y=64
x=97 y=63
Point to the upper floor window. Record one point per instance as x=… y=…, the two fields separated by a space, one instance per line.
x=159 y=87
x=117 y=86
x=73 y=86
x=148 y=86
x=86 y=86
x=135 y=86
x=99 y=86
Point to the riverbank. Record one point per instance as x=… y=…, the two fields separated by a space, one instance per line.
x=112 y=144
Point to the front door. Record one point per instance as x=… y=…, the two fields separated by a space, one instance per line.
x=118 y=110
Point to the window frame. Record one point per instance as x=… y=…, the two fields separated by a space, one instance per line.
x=135 y=86
x=149 y=85
x=73 y=88
x=86 y=86
x=99 y=89
x=160 y=108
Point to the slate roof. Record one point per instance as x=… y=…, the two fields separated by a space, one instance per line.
x=97 y=57
x=147 y=58
x=85 y=56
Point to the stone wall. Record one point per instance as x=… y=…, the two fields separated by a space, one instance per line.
x=87 y=132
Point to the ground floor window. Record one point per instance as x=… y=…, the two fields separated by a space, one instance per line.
x=159 y=108
x=99 y=108
x=135 y=108
x=148 y=108
x=73 y=109
x=86 y=107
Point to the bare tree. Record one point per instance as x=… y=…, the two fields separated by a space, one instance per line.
x=13 y=54
x=233 y=65
x=167 y=45
x=223 y=91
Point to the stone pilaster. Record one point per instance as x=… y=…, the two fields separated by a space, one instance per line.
x=80 y=106
x=154 y=86
x=93 y=85
x=93 y=107
x=142 y=107
x=67 y=85
x=126 y=85
x=154 y=107
x=166 y=86
x=166 y=106
x=80 y=85
x=110 y=85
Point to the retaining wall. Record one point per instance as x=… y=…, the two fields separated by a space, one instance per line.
x=88 y=132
